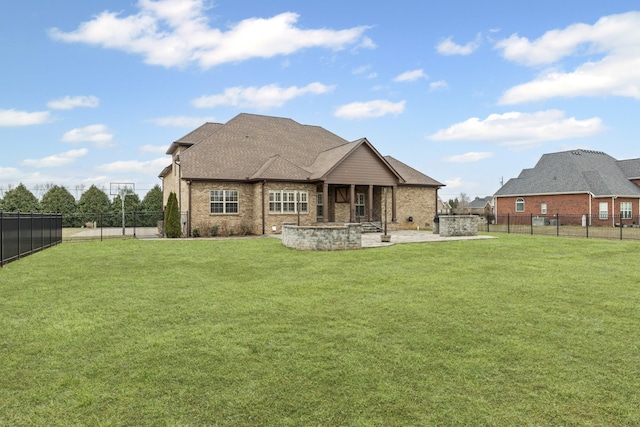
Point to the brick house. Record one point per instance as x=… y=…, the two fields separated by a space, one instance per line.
x=575 y=183
x=255 y=172
x=480 y=206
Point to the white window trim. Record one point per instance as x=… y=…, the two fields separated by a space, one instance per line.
x=291 y=197
x=625 y=213
x=603 y=214
x=543 y=208
x=363 y=206
x=320 y=204
x=225 y=201
x=517 y=202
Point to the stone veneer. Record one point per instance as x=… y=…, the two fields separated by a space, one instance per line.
x=322 y=238
x=458 y=225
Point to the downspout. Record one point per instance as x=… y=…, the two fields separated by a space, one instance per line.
x=263 y=219
x=189 y=211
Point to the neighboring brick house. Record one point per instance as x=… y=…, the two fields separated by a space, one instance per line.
x=256 y=172
x=575 y=183
x=480 y=206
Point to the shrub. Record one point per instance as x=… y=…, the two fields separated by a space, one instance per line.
x=172 y=227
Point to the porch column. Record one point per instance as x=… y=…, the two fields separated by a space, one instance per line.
x=352 y=203
x=394 y=190
x=325 y=201
x=370 y=214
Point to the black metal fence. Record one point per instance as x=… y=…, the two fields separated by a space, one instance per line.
x=586 y=226
x=22 y=234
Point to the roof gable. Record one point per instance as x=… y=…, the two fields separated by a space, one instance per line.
x=361 y=164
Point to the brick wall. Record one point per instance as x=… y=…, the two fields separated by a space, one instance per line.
x=574 y=205
x=416 y=202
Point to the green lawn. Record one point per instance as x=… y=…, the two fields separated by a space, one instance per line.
x=517 y=330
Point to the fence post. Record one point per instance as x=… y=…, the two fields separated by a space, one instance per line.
x=19 y=239
x=588 y=219
x=134 y=223
x=508 y=223
x=101 y=224
x=1 y=239
x=557 y=225
x=531 y=222
x=621 y=227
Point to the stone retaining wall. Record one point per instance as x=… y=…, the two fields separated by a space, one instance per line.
x=458 y=225
x=322 y=238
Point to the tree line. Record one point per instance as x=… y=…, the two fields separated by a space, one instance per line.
x=93 y=206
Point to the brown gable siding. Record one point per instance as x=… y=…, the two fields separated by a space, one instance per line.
x=362 y=167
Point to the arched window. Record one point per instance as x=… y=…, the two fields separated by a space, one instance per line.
x=519 y=204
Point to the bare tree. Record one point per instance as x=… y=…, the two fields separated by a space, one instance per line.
x=463 y=203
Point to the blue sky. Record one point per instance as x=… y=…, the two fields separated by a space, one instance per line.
x=468 y=92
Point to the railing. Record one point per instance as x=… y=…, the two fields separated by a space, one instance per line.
x=586 y=226
x=22 y=234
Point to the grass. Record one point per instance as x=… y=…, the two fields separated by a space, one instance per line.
x=517 y=330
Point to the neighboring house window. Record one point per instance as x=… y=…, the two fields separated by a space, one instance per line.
x=625 y=210
x=285 y=201
x=360 y=205
x=223 y=201
x=520 y=205
x=543 y=208
x=320 y=204
x=604 y=210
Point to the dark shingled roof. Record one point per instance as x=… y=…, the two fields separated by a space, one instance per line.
x=255 y=147
x=575 y=171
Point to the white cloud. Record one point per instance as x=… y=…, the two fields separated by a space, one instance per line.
x=361 y=70
x=176 y=33
x=448 y=47
x=99 y=135
x=8 y=173
x=411 y=76
x=370 y=109
x=133 y=166
x=181 y=121
x=472 y=156
x=439 y=85
x=62 y=159
x=153 y=149
x=23 y=118
x=521 y=130
x=68 y=102
x=259 y=97
x=453 y=183
x=614 y=38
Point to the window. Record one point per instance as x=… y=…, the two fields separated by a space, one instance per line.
x=625 y=210
x=285 y=201
x=360 y=205
x=543 y=208
x=223 y=201
x=520 y=204
x=604 y=210
x=320 y=204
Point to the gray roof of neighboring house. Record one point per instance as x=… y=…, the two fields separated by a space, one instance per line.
x=480 y=203
x=575 y=171
x=252 y=147
x=630 y=168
